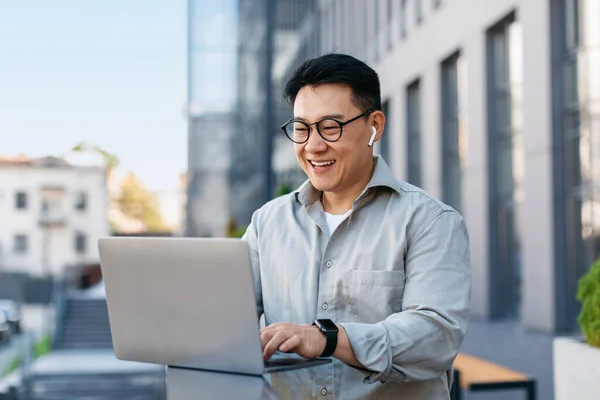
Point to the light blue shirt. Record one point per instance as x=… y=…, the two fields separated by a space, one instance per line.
x=395 y=274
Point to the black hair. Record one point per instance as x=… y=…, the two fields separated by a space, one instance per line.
x=337 y=68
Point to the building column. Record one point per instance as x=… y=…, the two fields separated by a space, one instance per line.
x=538 y=307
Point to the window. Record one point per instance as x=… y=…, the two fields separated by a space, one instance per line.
x=413 y=133
x=384 y=142
x=335 y=43
x=81 y=202
x=21 y=200
x=21 y=244
x=343 y=23
x=80 y=243
x=572 y=27
x=452 y=133
x=419 y=11
x=577 y=172
x=376 y=25
x=389 y=24
x=506 y=164
x=365 y=27
x=403 y=19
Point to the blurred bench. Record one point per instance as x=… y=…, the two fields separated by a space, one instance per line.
x=475 y=374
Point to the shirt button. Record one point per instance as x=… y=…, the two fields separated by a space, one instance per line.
x=324 y=391
x=328 y=264
x=324 y=306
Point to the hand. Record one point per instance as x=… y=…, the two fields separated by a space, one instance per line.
x=304 y=340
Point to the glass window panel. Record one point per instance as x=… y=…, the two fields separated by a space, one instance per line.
x=595 y=240
x=413 y=134
x=214 y=81
x=455 y=185
x=376 y=26
x=587 y=229
x=388 y=24
x=516 y=115
x=403 y=18
x=500 y=56
x=451 y=134
x=515 y=53
x=365 y=28
x=572 y=124
x=505 y=61
x=570 y=84
x=335 y=38
x=502 y=122
x=384 y=142
x=571 y=24
x=419 y=11
x=214 y=26
x=590 y=21
x=575 y=229
x=594 y=129
x=590 y=74
x=504 y=167
x=451 y=162
x=572 y=162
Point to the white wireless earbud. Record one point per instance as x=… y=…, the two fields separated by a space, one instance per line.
x=372 y=136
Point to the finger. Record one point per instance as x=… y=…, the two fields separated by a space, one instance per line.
x=290 y=344
x=274 y=344
x=276 y=326
x=266 y=336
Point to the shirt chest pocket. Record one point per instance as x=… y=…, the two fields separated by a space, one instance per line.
x=375 y=295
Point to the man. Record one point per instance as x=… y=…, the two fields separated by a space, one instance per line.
x=355 y=264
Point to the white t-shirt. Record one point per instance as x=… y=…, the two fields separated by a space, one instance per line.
x=333 y=220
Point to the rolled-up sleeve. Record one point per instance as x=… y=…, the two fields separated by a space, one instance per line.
x=251 y=237
x=421 y=341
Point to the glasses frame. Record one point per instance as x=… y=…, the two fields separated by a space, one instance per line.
x=316 y=124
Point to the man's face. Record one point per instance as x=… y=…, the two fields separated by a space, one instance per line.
x=348 y=160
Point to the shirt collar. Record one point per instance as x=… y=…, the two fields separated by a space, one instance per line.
x=382 y=176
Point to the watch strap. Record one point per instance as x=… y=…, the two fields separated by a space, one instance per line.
x=331 y=341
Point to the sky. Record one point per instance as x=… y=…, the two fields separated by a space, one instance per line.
x=110 y=72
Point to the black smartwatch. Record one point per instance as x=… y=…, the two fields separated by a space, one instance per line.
x=330 y=330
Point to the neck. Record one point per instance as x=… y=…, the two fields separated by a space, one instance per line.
x=340 y=202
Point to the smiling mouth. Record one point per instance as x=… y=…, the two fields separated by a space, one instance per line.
x=321 y=164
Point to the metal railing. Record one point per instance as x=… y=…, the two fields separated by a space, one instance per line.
x=59 y=299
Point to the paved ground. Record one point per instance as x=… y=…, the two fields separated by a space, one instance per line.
x=509 y=344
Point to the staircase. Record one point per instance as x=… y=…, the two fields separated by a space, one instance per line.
x=85 y=325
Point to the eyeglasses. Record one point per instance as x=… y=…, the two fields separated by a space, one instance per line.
x=330 y=129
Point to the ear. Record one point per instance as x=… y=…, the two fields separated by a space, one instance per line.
x=378 y=122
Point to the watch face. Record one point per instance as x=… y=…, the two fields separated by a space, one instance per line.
x=328 y=324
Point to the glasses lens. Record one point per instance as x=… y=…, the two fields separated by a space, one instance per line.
x=297 y=132
x=330 y=129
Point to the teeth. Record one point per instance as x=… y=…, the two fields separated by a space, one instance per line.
x=322 y=164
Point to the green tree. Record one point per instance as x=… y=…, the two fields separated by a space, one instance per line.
x=111 y=161
x=588 y=294
x=284 y=189
x=135 y=201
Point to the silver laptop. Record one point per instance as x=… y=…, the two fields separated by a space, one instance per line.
x=186 y=302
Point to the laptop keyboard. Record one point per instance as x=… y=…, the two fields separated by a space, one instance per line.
x=284 y=361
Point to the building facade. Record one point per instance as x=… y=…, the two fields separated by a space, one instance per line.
x=493 y=107
x=239 y=52
x=52 y=214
